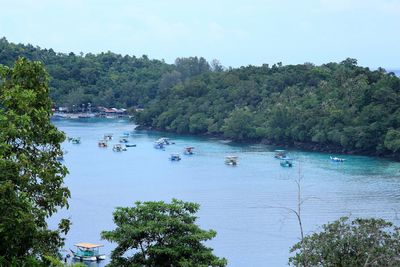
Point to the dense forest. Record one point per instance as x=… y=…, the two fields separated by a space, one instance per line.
x=340 y=107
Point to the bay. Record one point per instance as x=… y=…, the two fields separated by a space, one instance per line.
x=246 y=205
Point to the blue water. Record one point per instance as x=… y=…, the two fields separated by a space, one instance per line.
x=246 y=205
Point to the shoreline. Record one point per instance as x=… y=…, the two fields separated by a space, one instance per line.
x=309 y=147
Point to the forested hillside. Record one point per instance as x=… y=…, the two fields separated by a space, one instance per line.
x=335 y=106
x=105 y=79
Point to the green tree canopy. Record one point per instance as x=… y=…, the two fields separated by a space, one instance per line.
x=361 y=242
x=160 y=234
x=31 y=178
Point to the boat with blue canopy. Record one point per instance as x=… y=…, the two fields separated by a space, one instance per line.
x=87 y=252
x=286 y=162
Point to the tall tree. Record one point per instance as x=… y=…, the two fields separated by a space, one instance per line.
x=31 y=178
x=361 y=242
x=160 y=234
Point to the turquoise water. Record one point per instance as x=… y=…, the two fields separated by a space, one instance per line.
x=244 y=204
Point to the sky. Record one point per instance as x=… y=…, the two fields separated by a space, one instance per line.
x=236 y=32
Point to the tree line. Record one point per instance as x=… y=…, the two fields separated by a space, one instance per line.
x=339 y=107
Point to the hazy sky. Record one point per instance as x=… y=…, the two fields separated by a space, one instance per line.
x=237 y=33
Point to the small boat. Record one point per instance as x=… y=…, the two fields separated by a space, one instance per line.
x=231 y=160
x=108 y=137
x=188 y=150
x=102 y=143
x=76 y=140
x=280 y=154
x=286 y=162
x=87 y=252
x=158 y=145
x=336 y=159
x=84 y=116
x=123 y=140
x=165 y=141
x=175 y=157
x=130 y=145
x=61 y=157
x=118 y=148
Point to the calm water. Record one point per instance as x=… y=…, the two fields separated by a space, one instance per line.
x=235 y=201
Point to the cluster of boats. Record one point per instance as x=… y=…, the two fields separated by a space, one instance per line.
x=286 y=161
x=162 y=142
x=124 y=139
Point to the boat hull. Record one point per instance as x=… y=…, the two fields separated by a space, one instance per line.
x=91 y=258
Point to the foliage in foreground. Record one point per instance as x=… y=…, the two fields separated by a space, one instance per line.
x=361 y=242
x=160 y=234
x=31 y=178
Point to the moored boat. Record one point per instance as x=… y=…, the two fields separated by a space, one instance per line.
x=165 y=141
x=108 y=136
x=158 y=145
x=118 y=148
x=75 y=140
x=102 y=143
x=286 y=162
x=87 y=252
x=231 y=160
x=123 y=140
x=188 y=150
x=175 y=157
x=61 y=157
x=130 y=145
x=336 y=159
x=280 y=154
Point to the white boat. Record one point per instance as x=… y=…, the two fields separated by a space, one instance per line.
x=87 y=252
x=231 y=160
x=118 y=148
x=158 y=145
x=164 y=141
x=336 y=159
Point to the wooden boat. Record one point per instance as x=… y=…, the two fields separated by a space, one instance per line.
x=123 y=140
x=231 y=160
x=130 y=145
x=286 y=162
x=108 y=136
x=102 y=143
x=118 y=148
x=336 y=159
x=175 y=157
x=188 y=150
x=76 y=140
x=87 y=252
x=280 y=154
